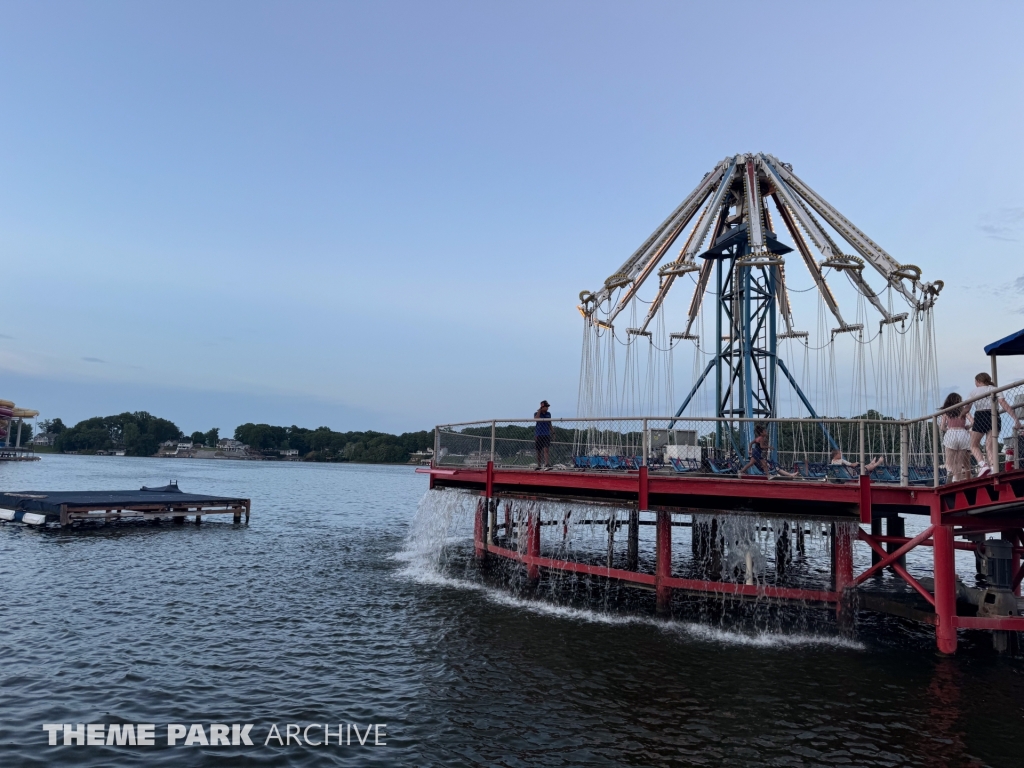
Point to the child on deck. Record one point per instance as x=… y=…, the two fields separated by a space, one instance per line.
x=759 y=446
x=838 y=460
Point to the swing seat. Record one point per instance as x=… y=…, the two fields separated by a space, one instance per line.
x=841 y=472
x=885 y=474
x=722 y=466
x=599 y=462
x=682 y=466
x=581 y=462
x=924 y=475
x=811 y=470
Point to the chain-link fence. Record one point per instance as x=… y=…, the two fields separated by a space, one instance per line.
x=907 y=452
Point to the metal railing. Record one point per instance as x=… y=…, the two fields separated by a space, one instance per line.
x=903 y=451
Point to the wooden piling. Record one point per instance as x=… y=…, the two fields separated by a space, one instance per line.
x=633 y=541
x=783 y=552
x=894 y=526
x=663 y=562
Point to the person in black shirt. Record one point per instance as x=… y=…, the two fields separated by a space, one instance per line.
x=542 y=435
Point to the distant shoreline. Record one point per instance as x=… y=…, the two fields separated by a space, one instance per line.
x=51 y=452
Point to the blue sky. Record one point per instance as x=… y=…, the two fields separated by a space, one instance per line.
x=379 y=215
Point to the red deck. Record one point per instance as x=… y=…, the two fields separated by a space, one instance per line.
x=990 y=504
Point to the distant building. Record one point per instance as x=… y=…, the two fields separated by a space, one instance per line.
x=227 y=445
x=43 y=439
x=290 y=452
x=184 y=445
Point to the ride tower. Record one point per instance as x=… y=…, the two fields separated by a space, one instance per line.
x=744 y=269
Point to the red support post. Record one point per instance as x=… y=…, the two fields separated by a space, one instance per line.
x=533 y=527
x=945 y=582
x=644 y=487
x=663 y=562
x=865 y=500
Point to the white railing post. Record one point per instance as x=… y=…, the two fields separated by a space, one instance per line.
x=644 y=444
x=935 y=452
x=1016 y=446
x=437 y=447
x=493 y=424
x=860 y=440
x=904 y=454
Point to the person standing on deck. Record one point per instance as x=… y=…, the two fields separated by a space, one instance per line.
x=542 y=435
x=982 y=427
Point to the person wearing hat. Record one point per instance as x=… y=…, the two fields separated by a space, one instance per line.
x=542 y=435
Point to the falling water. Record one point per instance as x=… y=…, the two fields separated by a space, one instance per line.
x=440 y=550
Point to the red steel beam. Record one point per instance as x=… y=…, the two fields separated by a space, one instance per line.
x=887 y=558
x=695 y=585
x=964 y=545
x=893 y=561
x=1006 y=623
x=626 y=483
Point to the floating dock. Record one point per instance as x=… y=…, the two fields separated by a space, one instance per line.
x=70 y=507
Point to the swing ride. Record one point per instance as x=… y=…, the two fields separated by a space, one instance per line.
x=749 y=455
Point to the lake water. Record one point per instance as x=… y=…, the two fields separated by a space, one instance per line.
x=321 y=612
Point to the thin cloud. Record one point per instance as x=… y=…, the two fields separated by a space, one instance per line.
x=1003 y=225
x=5 y=336
x=93 y=360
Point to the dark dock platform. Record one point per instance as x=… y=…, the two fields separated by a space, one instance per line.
x=69 y=507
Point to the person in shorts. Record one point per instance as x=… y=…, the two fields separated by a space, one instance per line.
x=982 y=426
x=956 y=440
x=542 y=435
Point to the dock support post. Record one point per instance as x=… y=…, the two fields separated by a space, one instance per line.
x=876 y=530
x=64 y=515
x=842 y=569
x=490 y=522
x=1014 y=537
x=533 y=527
x=945 y=581
x=237 y=517
x=633 y=543
x=248 y=504
x=707 y=548
x=199 y=519
x=895 y=526
x=479 y=527
x=663 y=562
x=783 y=551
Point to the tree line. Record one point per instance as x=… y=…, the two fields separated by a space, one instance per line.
x=140 y=434
x=324 y=444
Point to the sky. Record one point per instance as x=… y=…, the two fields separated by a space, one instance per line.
x=380 y=215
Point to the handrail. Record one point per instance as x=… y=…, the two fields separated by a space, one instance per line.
x=744 y=419
x=962 y=403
